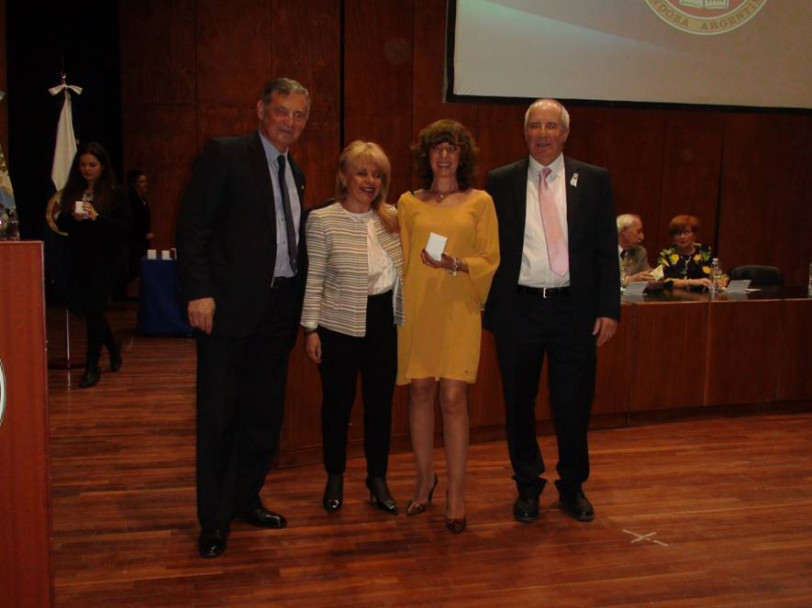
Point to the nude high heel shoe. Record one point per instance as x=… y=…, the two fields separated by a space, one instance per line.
x=416 y=508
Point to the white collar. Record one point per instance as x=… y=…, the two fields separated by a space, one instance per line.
x=535 y=167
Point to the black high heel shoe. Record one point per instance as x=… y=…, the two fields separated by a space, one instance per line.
x=91 y=376
x=333 y=493
x=416 y=508
x=379 y=495
x=456 y=526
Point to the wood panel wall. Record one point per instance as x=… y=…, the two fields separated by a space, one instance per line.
x=193 y=69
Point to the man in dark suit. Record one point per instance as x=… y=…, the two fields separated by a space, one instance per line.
x=141 y=233
x=557 y=293
x=241 y=267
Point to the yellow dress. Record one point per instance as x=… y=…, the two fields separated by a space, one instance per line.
x=441 y=334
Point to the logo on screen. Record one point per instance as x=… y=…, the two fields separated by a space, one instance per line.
x=706 y=17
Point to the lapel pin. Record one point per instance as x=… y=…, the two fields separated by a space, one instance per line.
x=574 y=180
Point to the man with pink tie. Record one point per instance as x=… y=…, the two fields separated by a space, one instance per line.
x=556 y=293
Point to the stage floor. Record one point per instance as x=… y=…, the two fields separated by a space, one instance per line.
x=710 y=512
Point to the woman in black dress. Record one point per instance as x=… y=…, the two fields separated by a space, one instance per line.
x=96 y=215
x=686 y=264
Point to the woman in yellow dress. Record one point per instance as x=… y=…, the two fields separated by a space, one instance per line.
x=439 y=342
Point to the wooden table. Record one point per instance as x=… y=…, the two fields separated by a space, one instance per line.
x=674 y=350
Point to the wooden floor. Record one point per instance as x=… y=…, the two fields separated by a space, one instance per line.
x=704 y=513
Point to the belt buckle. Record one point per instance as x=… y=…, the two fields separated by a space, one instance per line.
x=544 y=292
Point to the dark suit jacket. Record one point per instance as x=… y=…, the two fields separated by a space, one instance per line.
x=594 y=273
x=141 y=226
x=226 y=233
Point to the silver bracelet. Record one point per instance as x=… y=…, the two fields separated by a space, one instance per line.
x=454 y=268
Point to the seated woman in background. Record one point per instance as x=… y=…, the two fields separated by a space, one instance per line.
x=351 y=305
x=96 y=215
x=686 y=263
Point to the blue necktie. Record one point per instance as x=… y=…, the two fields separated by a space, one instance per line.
x=290 y=226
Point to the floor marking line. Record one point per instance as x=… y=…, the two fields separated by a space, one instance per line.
x=648 y=536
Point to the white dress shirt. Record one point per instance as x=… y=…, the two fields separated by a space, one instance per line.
x=282 y=267
x=382 y=271
x=535 y=270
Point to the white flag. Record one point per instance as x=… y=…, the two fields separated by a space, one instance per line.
x=65 y=148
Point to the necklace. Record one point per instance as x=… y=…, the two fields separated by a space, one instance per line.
x=442 y=195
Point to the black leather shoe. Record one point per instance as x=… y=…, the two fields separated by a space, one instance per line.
x=333 y=493
x=91 y=377
x=262 y=518
x=576 y=505
x=211 y=543
x=379 y=495
x=526 y=508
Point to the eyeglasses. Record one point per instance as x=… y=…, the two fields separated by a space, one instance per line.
x=439 y=149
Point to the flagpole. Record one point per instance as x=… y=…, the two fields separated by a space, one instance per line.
x=64 y=151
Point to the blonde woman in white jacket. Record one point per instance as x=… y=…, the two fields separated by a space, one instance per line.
x=351 y=306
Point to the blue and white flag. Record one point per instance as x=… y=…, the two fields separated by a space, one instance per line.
x=9 y=229
x=6 y=191
x=65 y=148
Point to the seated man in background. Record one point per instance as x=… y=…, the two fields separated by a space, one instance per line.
x=632 y=255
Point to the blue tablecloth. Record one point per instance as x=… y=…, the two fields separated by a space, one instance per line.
x=160 y=310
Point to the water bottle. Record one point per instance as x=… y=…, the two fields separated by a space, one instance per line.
x=716 y=277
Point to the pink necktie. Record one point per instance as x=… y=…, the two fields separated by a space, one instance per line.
x=556 y=246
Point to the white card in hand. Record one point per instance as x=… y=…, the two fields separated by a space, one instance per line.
x=436 y=245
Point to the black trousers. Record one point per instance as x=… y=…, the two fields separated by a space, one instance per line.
x=92 y=289
x=548 y=327
x=98 y=334
x=240 y=401
x=342 y=358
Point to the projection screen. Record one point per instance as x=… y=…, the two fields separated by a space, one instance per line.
x=710 y=52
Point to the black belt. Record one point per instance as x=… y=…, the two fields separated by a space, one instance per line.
x=545 y=292
x=279 y=282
